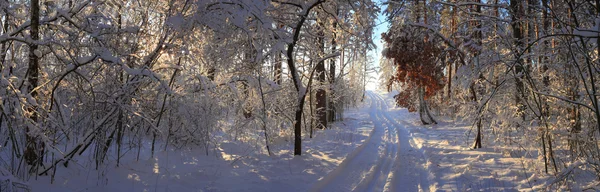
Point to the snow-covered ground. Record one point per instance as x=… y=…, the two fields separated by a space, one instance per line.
x=451 y=164
x=386 y=162
x=404 y=155
x=236 y=166
x=378 y=147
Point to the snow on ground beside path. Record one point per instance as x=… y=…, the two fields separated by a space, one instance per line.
x=455 y=167
x=236 y=167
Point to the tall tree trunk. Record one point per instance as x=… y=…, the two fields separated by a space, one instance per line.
x=453 y=29
x=321 y=95
x=478 y=39
x=264 y=113
x=278 y=64
x=340 y=108
x=573 y=111
x=121 y=116
x=364 y=90
x=516 y=7
x=573 y=82
x=331 y=111
x=3 y=48
x=33 y=151
x=296 y=79
x=545 y=110
x=594 y=94
x=248 y=59
x=449 y=85
x=421 y=109
x=310 y=104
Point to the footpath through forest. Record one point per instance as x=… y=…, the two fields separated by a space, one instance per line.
x=401 y=154
x=385 y=162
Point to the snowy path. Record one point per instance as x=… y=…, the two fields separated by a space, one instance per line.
x=385 y=162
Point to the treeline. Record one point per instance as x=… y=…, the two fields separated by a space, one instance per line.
x=523 y=73
x=111 y=79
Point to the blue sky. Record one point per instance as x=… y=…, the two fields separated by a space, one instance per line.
x=381 y=27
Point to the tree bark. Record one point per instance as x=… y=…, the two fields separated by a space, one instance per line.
x=33 y=151
x=478 y=39
x=321 y=95
x=424 y=114
x=278 y=64
x=454 y=28
x=517 y=26
x=477 y=143
x=331 y=111
x=296 y=79
x=248 y=58
x=3 y=48
x=121 y=116
x=593 y=84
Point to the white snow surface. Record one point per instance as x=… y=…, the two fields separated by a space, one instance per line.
x=378 y=147
x=236 y=166
x=386 y=162
x=403 y=155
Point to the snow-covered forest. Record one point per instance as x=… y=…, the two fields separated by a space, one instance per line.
x=522 y=74
x=273 y=95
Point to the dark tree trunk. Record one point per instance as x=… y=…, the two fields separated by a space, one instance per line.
x=33 y=151
x=331 y=111
x=121 y=116
x=454 y=28
x=477 y=143
x=3 y=48
x=593 y=84
x=546 y=79
x=516 y=7
x=478 y=38
x=297 y=82
x=321 y=95
x=424 y=114
x=545 y=133
x=311 y=104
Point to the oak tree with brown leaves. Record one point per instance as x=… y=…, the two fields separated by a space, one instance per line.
x=414 y=55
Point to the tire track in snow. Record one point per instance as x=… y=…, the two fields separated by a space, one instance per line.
x=357 y=171
x=382 y=170
x=386 y=161
x=409 y=173
x=355 y=167
x=369 y=167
